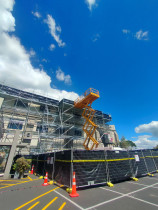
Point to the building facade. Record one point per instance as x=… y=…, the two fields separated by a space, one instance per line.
x=46 y=124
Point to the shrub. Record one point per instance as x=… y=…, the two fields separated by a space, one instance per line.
x=21 y=165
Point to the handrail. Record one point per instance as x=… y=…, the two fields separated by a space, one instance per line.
x=86 y=93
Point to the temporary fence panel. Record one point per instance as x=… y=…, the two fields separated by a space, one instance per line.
x=118 y=164
x=149 y=161
x=90 y=167
x=95 y=167
x=138 y=163
x=155 y=157
x=62 y=172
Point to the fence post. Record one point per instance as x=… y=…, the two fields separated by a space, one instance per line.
x=71 y=170
x=145 y=162
x=153 y=159
x=53 y=167
x=107 y=166
x=131 y=168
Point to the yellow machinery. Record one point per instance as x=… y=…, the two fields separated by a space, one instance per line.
x=85 y=102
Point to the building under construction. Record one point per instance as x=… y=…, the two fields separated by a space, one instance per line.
x=64 y=137
x=47 y=125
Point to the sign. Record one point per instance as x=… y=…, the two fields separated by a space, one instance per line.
x=48 y=160
x=51 y=160
x=136 y=158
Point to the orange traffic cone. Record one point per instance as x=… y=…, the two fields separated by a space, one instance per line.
x=74 y=193
x=32 y=169
x=45 y=180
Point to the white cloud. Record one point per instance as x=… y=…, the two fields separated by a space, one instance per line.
x=54 y=30
x=44 y=60
x=125 y=31
x=32 y=52
x=143 y=142
x=151 y=127
x=90 y=3
x=7 y=21
x=60 y=75
x=52 y=47
x=37 y=14
x=15 y=65
x=140 y=35
x=96 y=37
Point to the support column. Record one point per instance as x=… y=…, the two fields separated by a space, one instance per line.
x=11 y=155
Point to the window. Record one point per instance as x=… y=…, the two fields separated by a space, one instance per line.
x=78 y=132
x=42 y=129
x=15 y=124
x=21 y=104
x=28 y=134
x=28 y=141
x=30 y=126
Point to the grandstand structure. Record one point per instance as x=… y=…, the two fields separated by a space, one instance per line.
x=46 y=124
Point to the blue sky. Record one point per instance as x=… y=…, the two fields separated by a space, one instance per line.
x=61 y=48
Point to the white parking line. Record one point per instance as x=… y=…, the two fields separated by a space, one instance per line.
x=69 y=200
x=127 y=195
x=124 y=195
x=105 y=202
x=141 y=184
x=151 y=177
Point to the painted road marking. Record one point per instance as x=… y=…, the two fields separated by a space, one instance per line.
x=62 y=206
x=128 y=195
x=13 y=184
x=125 y=195
x=141 y=184
x=18 y=183
x=100 y=204
x=6 y=184
x=29 y=178
x=38 y=197
x=11 y=180
x=49 y=203
x=151 y=177
x=33 y=206
x=69 y=200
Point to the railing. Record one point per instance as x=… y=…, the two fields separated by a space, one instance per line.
x=86 y=93
x=91 y=90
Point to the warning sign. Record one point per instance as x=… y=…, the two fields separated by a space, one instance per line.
x=136 y=158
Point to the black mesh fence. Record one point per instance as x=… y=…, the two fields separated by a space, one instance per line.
x=44 y=163
x=62 y=172
x=119 y=165
x=90 y=167
x=154 y=153
x=95 y=167
x=138 y=163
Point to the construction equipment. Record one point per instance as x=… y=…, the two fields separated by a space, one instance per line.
x=89 y=127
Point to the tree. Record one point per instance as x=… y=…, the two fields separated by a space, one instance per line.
x=156 y=147
x=127 y=144
x=21 y=165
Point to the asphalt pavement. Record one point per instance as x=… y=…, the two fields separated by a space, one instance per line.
x=29 y=194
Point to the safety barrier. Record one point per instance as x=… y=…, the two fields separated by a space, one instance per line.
x=96 y=166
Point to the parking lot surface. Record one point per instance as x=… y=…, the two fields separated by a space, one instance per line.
x=30 y=194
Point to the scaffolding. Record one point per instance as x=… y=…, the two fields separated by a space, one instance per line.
x=45 y=124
